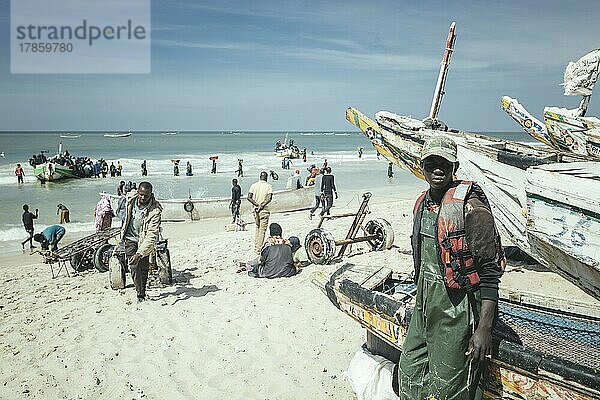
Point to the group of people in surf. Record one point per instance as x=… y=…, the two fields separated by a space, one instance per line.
x=83 y=167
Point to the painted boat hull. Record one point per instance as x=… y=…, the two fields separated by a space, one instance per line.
x=287 y=153
x=563 y=202
x=562 y=129
x=283 y=201
x=500 y=166
x=522 y=367
x=53 y=172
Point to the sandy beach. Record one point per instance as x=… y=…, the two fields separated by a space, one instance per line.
x=214 y=333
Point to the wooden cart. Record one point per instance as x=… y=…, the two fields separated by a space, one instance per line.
x=87 y=252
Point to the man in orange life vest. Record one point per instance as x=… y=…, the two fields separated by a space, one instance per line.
x=458 y=261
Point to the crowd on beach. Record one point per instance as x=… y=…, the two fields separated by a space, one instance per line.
x=460 y=286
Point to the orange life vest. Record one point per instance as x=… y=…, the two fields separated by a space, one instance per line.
x=454 y=256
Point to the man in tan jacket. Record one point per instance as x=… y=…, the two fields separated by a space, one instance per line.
x=260 y=195
x=139 y=233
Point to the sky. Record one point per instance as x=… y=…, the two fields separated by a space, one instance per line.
x=281 y=65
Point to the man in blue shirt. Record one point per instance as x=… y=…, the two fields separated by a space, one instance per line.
x=50 y=237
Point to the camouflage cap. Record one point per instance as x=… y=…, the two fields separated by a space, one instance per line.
x=441 y=146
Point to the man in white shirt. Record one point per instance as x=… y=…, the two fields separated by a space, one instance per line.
x=260 y=195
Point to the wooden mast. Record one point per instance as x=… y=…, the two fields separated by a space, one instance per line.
x=441 y=81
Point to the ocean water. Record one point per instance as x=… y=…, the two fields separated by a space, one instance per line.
x=255 y=148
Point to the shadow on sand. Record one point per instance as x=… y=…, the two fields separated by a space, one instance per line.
x=186 y=292
x=184 y=289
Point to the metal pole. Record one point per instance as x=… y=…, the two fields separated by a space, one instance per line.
x=355 y=240
x=360 y=216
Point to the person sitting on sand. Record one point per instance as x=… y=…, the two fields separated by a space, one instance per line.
x=50 y=237
x=275 y=259
x=298 y=254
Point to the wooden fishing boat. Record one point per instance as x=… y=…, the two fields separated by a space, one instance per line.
x=539 y=353
x=501 y=167
x=287 y=149
x=54 y=169
x=51 y=171
x=563 y=210
x=117 y=134
x=563 y=129
x=69 y=136
x=198 y=209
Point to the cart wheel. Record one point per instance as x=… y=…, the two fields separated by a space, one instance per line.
x=102 y=257
x=80 y=262
x=163 y=262
x=384 y=232
x=116 y=273
x=320 y=246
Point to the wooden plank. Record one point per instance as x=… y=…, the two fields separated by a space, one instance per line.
x=550 y=302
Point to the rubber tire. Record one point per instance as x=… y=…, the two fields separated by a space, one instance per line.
x=385 y=231
x=320 y=246
x=163 y=262
x=100 y=257
x=79 y=263
x=188 y=206
x=116 y=273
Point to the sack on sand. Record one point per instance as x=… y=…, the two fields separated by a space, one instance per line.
x=371 y=376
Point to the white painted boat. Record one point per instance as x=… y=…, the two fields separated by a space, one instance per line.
x=69 y=136
x=289 y=152
x=171 y=133
x=563 y=129
x=283 y=201
x=502 y=169
x=287 y=149
x=563 y=204
x=118 y=134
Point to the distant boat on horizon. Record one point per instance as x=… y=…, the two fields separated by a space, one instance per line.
x=170 y=133
x=117 y=134
x=69 y=136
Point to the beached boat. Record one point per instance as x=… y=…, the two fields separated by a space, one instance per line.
x=287 y=149
x=501 y=167
x=117 y=134
x=563 y=204
x=563 y=129
x=198 y=209
x=539 y=353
